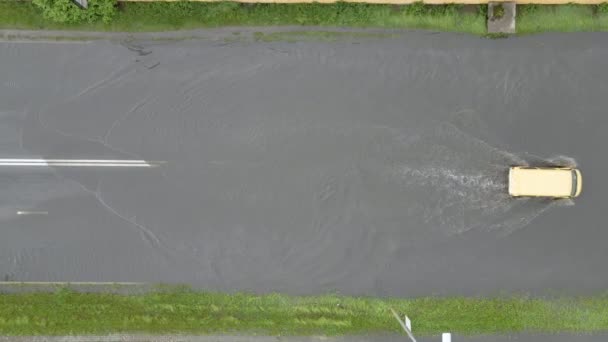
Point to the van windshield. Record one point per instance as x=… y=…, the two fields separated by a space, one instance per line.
x=574 y=184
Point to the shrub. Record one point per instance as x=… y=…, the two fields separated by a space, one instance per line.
x=602 y=8
x=65 y=11
x=483 y=10
x=416 y=8
x=499 y=11
x=223 y=8
x=528 y=9
x=419 y=8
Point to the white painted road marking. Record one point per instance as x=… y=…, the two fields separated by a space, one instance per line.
x=79 y=162
x=69 y=283
x=73 y=160
x=32 y=213
x=23 y=40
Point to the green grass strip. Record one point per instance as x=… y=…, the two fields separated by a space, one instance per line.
x=163 y=16
x=561 y=18
x=185 y=311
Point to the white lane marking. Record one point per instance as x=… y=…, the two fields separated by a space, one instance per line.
x=79 y=162
x=68 y=283
x=73 y=160
x=32 y=213
x=41 y=41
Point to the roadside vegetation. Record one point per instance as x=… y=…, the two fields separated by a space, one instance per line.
x=106 y=15
x=167 y=311
x=562 y=18
x=162 y=16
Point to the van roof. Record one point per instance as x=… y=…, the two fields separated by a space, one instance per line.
x=546 y=182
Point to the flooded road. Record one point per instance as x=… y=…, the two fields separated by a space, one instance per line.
x=373 y=167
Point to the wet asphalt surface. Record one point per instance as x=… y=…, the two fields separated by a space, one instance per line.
x=367 y=167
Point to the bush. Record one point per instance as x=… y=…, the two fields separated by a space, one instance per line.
x=483 y=10
x=602 y=8
x=65 y=11
x=499 y=11
x=419 y=8
x=528 y=9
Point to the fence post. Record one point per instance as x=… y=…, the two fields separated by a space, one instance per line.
x=407 y=326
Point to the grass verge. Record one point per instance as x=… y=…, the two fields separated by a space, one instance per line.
x=66 y=312
x=163 y=16
x=561 y=18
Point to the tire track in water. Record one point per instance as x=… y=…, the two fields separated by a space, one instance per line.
x=466 y=180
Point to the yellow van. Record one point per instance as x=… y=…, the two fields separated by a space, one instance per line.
x=545 y=182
